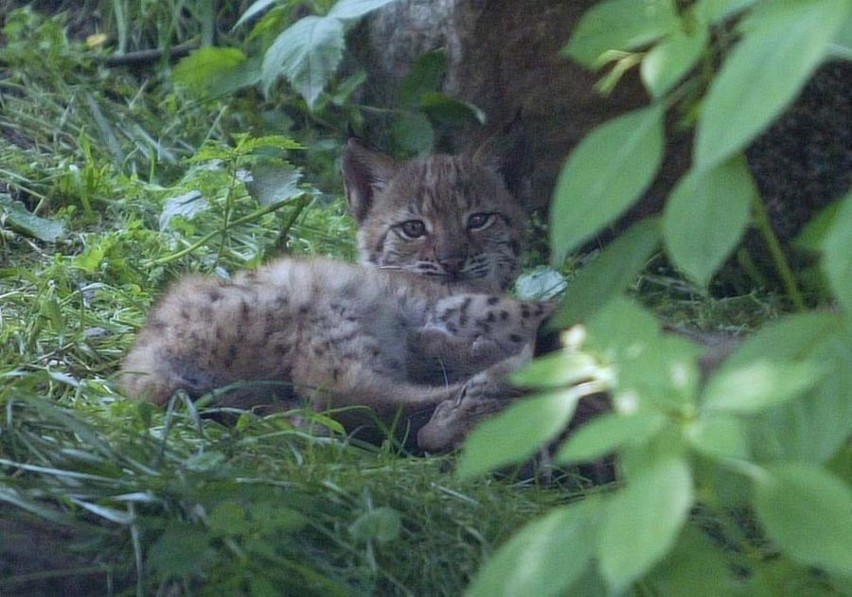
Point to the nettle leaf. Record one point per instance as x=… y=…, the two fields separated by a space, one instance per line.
x=784 y=43
x=610 y=273
x=620 y=25
x=837 y=255
x=671 y=59
x=253 y=10
x=807 y=512
x=307 y=54
x=706 y=215
x=605 y=174
x=643 y=521
x=274 y=181
x=606 y=434
x=517 y=433
x=545 y=557
x=15 y=215
x=355 y=9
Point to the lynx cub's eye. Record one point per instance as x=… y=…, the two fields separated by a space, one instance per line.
x=412 y=229
x=480 y=221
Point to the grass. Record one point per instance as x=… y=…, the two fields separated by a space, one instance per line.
x=104 y=495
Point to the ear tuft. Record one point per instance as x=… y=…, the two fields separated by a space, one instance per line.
x=365 y=172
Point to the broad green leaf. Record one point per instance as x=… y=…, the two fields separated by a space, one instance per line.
x=517 y=433
x=443 y=108
x=711 y=11
x=695 y=567
x=610 y=273
x=381 y=524
x=182 y=550
x=815 y=231
x=228 y=518
x=794 y=337
x=426 y=75
x=562 y=368
x=837 y=255
x=355 y=9
x=608 y=433
x=605 y=174
x=759 y=385
x=706 y=215
x=719 y=436
x=413 y=132
x=540 y=283
x=643 y=521
x=307 y=54
x=620 y=25
x=15 y=215
x=545 y=557
x=256 y=8
x=808 y=513
x=785 y=42
x=815 y=427
x=274 y=181
x=671 y=59
x=621 y=326
x=202 y=70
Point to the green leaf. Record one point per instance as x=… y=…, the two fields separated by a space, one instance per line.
x=381 y=524
x=413 y=132
x=785 y=42
x=610 y=273
x=759 y=385
x=644 y=520
x=202 y=70
x=719 y=436
x=545 y=557
x=355 y=9
x=712 y=11
x=307 y=54
x=273 y=181
x=182 y=550
x=695 y=567
x=443 y=108
x=815 y=231
x=608 y=433
x=562 y=368
x=426 y=75
x=808 y=513
x=671 y=59
x=706 y=216
x=620 y=25
x=814 y=427
x=517 y=433
x=605 y=174
x=15 y=215
x=228 y=518
x=256 y=8
x=837 y=254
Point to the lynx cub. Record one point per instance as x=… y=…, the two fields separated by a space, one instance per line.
x=439 y=238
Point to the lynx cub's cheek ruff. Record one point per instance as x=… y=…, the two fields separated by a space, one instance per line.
x=440 y=239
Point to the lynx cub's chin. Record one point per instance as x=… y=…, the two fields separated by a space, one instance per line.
x=440 y=239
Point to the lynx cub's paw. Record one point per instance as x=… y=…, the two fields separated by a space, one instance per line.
x=489 y=322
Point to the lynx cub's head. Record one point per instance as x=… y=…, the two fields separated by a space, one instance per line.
x=450 y=218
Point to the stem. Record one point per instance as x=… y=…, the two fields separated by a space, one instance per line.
x=238 y=222
x=764 y=227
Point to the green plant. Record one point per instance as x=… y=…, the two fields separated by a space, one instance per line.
x=733 y=484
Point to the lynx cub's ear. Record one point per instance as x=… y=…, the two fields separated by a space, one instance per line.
x=365 y=173
x=507 y=153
